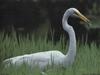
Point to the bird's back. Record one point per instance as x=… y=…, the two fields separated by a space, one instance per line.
x=40 y=59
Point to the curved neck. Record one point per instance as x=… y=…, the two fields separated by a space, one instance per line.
x=72 y=43
x=72 y=39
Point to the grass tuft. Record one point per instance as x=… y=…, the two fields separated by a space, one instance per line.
x=87 y=60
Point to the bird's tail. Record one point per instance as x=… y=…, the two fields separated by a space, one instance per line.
x=7 y=63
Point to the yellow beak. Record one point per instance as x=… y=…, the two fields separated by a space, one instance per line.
x=82 y=17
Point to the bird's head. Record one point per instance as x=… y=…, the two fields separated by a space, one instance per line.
x=75 y=13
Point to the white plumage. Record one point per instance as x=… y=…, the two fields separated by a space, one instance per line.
x=41 y=59
x=54 y=57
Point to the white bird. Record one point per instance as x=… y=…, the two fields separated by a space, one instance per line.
x=43 y=59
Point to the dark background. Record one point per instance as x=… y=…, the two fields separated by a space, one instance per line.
x=45 y=16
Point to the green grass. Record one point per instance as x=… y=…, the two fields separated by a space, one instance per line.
x=87 y=60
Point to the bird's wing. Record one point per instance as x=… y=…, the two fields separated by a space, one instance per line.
x=41 y=57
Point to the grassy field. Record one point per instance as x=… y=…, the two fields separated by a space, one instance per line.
x=87 y=60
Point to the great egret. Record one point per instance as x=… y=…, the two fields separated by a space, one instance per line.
x=43 y=59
